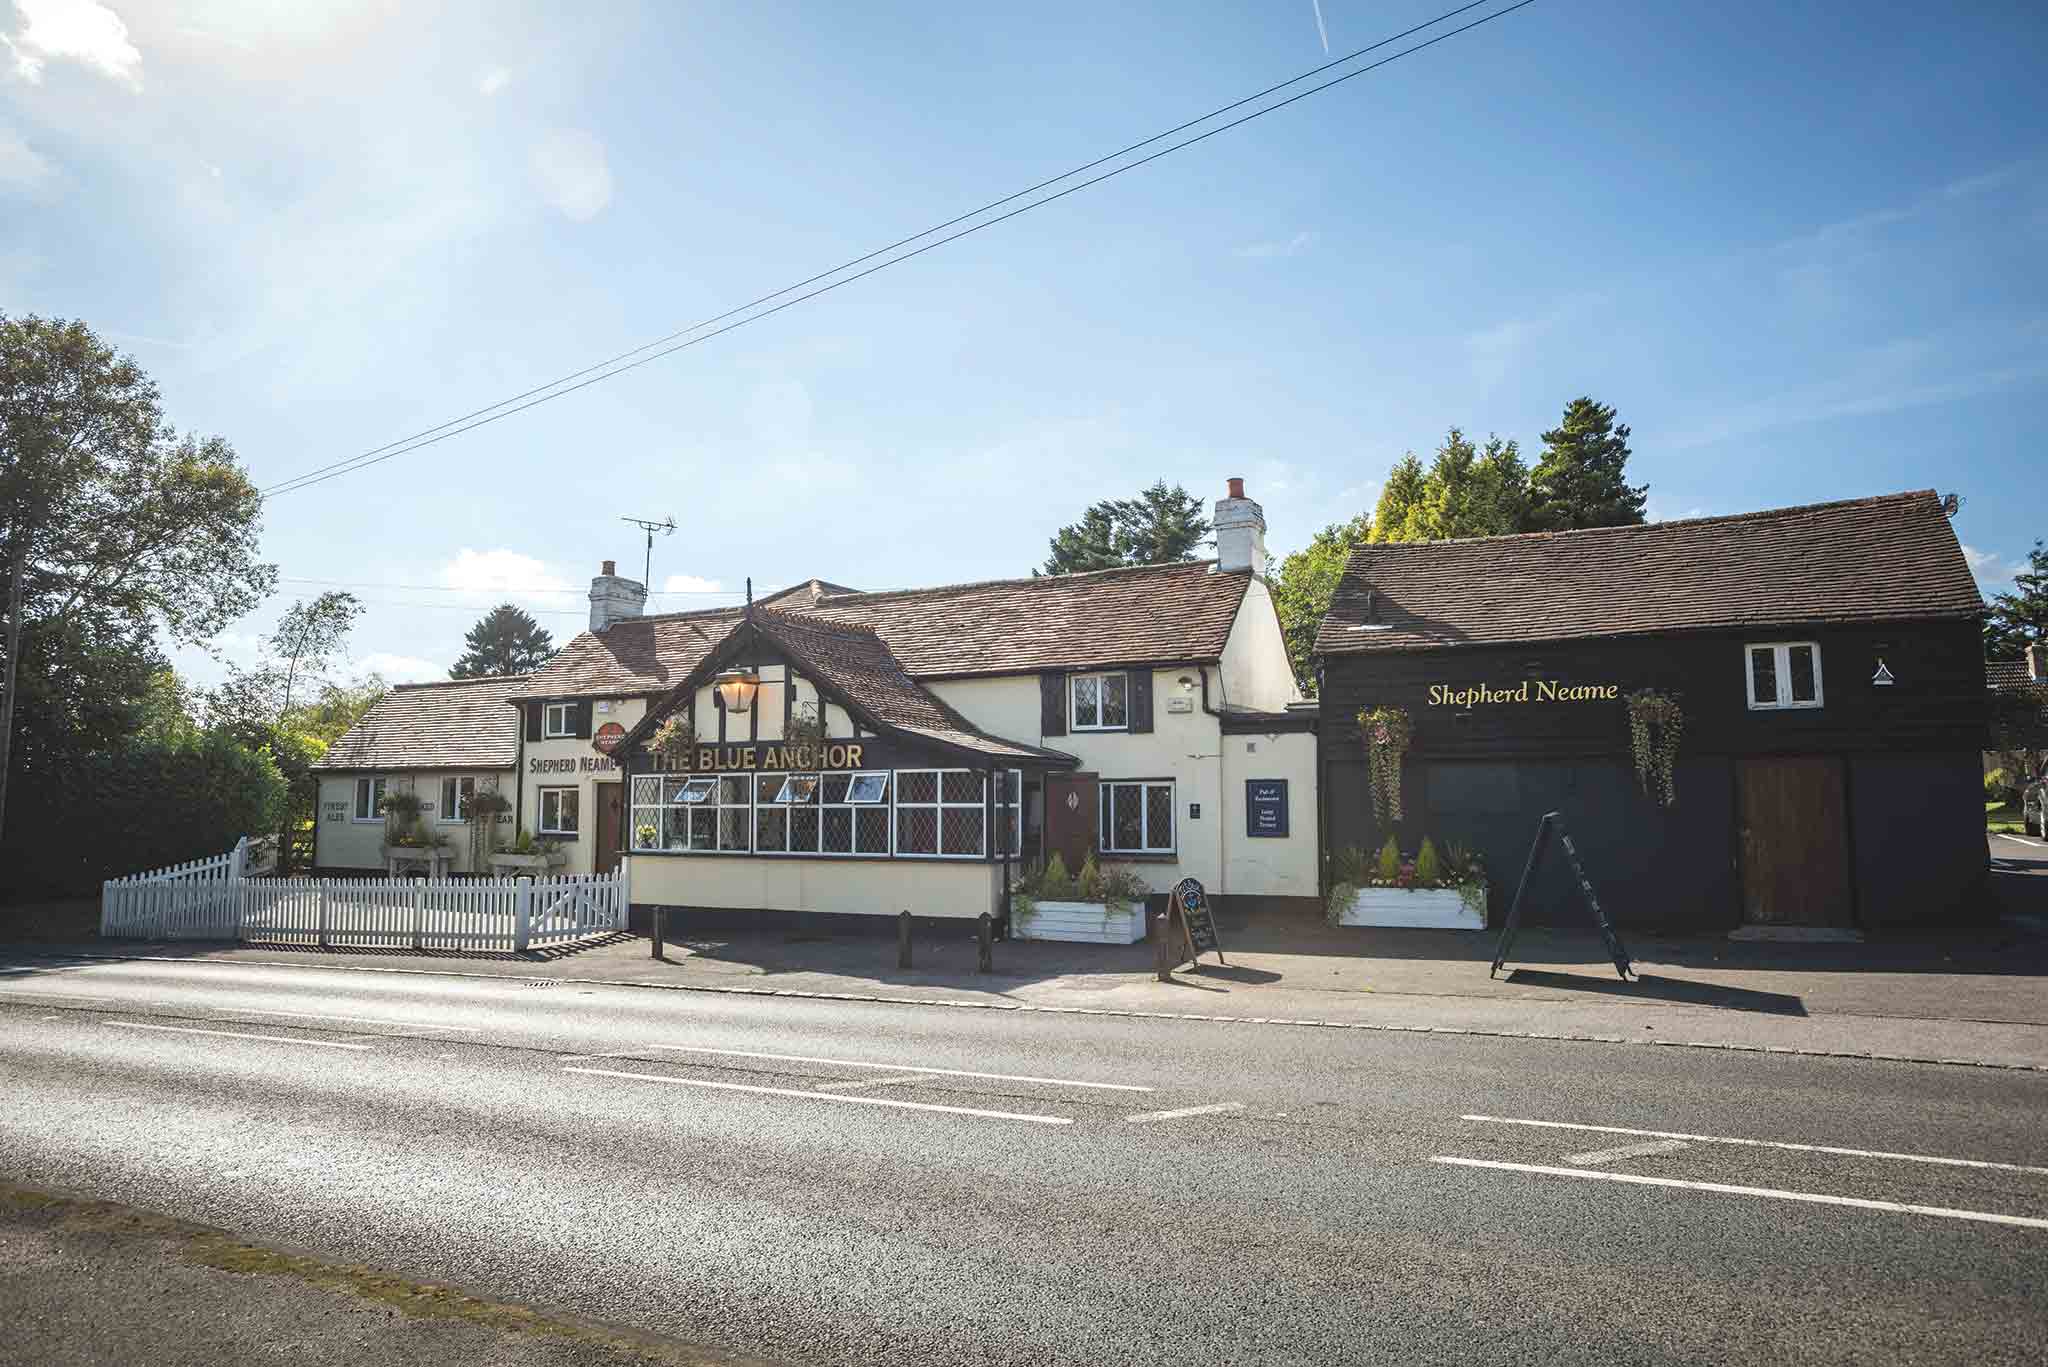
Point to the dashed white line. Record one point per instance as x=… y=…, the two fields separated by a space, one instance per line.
x=360 y=1020
x=1642 y=1150
x=900 y=1068
x=867 y=1082
x=1762 y=1144
x=234 y=1034
x=1728 y=1189
x=1219 y=1109
x=822 y=1096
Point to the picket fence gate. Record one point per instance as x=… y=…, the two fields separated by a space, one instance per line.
x=214 y=899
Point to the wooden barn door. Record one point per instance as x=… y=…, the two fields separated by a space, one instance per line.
x=1795 y=842
x=1070 y=817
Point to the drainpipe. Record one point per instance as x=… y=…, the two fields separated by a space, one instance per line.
x=1222 y=783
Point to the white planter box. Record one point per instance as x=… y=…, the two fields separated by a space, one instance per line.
x=1414 y=908
x=527 y=861
x=1081 y=922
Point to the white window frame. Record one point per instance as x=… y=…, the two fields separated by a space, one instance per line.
x=375 y=787
x=458 y=791
x=541 y=826
x=1781 y=663
x=853 y=809
x=1101 y=681
x=854 y=780
x=1013 y=788
x=1105 y=811
x=549 y=730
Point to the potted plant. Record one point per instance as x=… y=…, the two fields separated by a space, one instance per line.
x=1094 y=906
x=1436 y=889
x=528 y=854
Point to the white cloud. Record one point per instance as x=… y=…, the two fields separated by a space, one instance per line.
x=1993 y=572
x=1293 y=246
x=492 y=80
x=499 y=571
x=691 y=583
x=401 y=668
x=21 y=166
x=76 y=30
x=573 y=173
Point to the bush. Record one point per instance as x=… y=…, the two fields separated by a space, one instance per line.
x=1429 y=870
x=2001 y=786
x=107 y=815
x=1389 y=870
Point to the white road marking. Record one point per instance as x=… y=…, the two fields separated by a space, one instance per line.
x=1218 y=1109
x=1809 y=1197
x=901 y=1068
x=1764 y=1144
x=816 y=1096
x=867 y=1082
x=2025 y=840
x=363 y=1020
x=234 y=1034
x=1643 y=1150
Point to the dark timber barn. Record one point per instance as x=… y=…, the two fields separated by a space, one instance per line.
x=1827 y=664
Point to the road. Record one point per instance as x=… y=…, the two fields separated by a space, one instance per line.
x=857 y=1183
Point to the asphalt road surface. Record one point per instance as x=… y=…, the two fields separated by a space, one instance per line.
x=854 y=1183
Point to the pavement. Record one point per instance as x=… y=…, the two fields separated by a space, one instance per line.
x=1978 y=996
x=855 y=1182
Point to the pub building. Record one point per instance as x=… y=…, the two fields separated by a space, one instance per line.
x=1826 y=666
x=827 y=753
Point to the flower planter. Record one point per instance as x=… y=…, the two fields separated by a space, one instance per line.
x=527 y=863
x=1414 y=908
x=1080 y=922
x=437 y=860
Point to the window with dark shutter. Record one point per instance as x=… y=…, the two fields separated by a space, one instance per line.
x=533 y=715
x=1140 y=696
x=1052 y=704
x=582 y=713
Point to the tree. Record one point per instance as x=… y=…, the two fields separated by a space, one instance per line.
x=505 y=641
x=1466 y=491
x=1578 y=481
x=1303 y=588
x=1163 y=524
x=1400 y=500
x=2017 y=619
x=110 y=522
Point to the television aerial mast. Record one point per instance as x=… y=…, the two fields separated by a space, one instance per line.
x=667 y=527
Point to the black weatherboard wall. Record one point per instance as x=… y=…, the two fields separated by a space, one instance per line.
x=1483 y=774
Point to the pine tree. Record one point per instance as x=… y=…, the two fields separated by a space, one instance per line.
x=1163 y=524
x=2018 y=619
x=1089 y=544
x=505 y=641
x=1400 y=499
x=1579 y=480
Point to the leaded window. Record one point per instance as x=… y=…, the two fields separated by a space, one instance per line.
x=1137 y=817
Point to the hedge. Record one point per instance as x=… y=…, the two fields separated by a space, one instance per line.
x=143 y=807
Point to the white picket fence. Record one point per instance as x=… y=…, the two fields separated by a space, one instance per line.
x=214 y=900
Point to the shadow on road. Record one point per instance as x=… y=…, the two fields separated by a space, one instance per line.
x=1650 y=987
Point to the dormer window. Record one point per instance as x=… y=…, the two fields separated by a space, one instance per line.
x=1783 y=674
x=1100 y=702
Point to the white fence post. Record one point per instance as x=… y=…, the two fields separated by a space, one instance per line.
x=522 y=915
x=419 y=911
x=322 y=923
x=625 y=894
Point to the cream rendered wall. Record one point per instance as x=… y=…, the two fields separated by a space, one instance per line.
x=861 y=887
x=1269 y=866
x=1256 y=673
x=626 y=712
x=775 y=680
x=346 y=843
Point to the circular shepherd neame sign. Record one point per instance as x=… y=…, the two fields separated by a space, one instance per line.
x=608 y=737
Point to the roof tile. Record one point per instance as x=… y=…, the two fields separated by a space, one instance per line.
x=458 y=724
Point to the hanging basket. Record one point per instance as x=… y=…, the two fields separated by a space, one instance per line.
x=1387 y=731
x=1656 y=724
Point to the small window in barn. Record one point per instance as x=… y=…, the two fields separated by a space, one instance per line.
x=1783 y=674
x=1101 y=702
x=558 y=720
x=369 y=799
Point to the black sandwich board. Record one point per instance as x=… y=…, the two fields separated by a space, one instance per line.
x=1198 y=922
x=1622 y=963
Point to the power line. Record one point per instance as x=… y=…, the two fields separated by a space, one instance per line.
x=502 y=588
x=668 y=345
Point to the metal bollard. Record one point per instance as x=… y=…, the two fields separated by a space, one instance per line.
x=986 y=935
x=903 y=940
x=1162 y=940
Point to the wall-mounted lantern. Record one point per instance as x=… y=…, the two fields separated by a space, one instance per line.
x=736 y=688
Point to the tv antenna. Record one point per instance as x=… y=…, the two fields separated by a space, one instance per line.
x=667 y=527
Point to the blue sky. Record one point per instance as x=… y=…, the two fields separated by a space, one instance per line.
x=1798 y=245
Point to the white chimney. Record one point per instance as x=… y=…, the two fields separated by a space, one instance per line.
x=2037 y=667
x=613 y=598
x=1240 y=532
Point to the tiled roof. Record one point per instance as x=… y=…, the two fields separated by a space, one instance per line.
x=460 y=724
x=852 y=659
x=1893 y=557
x=802 y=595
x=1153 y=614
x=2005 y=673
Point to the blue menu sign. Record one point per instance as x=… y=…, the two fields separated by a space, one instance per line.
x=1265 y=806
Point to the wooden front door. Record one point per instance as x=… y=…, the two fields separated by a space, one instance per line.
x=1794 y=841
x=611 y=817
x=1070 y=817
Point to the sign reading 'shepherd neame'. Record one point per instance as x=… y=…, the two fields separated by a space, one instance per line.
x=1528 y=690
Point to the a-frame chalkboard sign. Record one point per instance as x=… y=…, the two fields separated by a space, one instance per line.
x=1622 y=963
x=1197 y=920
